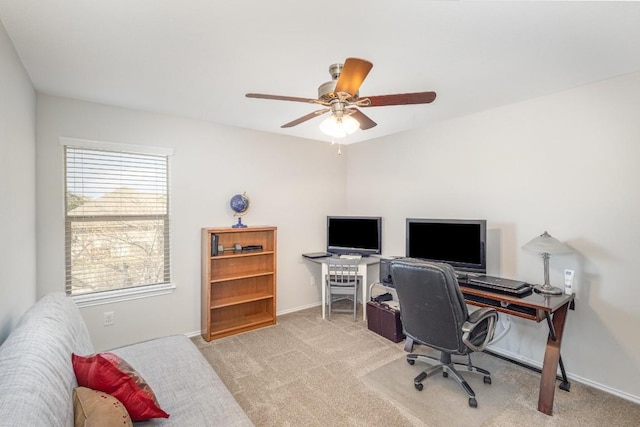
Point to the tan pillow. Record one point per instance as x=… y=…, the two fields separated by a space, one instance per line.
x=94 y=408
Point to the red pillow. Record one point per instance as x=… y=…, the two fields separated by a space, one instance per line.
x=107 y=372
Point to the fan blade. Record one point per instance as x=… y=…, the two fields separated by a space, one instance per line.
x=363 y=119
x=353 y=73
x=402 y=99
x=279 y=97
x=305 y=118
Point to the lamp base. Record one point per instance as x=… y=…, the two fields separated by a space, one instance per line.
x=547 y=290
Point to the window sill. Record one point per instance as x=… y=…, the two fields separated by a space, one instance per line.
x=119 y=295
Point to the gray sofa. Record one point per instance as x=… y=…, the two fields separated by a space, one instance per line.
x=37 y=377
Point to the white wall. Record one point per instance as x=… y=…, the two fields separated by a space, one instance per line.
x=292 y=183
x=566 y=163
x=17 y=188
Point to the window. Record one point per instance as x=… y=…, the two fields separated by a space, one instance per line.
x=117 y=241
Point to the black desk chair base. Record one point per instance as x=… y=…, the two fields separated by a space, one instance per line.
x=449 y=370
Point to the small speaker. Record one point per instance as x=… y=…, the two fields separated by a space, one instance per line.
x=385 y=272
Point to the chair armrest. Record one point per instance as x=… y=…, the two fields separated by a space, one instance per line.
x=486 y=318
x=480 y=314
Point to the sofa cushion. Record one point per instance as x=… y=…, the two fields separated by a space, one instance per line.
x=110 y=373
x=36 y=376
x=184 y=382
x=93 y=408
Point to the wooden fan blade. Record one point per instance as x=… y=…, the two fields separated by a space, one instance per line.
x=279 y=97
x=353 y=73
x=363 y=119
x=305 y=118
x=402 y=99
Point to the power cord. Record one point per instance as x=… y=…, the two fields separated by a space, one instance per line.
x=505 y=321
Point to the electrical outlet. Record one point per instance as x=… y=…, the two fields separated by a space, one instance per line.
x=569 y=283
x=313 y=280
x=108 y=318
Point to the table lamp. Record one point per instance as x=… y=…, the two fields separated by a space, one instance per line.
x=546 y=245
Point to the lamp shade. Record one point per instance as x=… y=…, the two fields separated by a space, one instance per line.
x=339 y=126
x=546 y=244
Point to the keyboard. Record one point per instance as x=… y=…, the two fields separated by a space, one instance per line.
x=500 y=284
x=347 y=256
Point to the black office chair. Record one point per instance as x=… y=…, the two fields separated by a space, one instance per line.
x=434 y=314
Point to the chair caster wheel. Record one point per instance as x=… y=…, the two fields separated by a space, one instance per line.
x=411 y=361
x=445 y=374
x=487 y=380
x=419 y=386
x=473 y=402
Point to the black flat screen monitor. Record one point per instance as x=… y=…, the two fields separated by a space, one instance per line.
x=357 y=235
x=459 y=242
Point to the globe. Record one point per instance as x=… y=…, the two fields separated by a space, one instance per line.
x=239 y=205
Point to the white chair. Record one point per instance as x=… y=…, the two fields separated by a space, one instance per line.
x=342 y=281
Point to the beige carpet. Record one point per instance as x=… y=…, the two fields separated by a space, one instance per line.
x=306 y=371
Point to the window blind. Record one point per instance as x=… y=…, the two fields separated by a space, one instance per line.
x=117 y=231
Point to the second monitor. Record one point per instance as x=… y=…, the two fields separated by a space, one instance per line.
x=458 y=242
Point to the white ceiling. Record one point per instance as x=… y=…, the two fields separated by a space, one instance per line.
x=197 y=58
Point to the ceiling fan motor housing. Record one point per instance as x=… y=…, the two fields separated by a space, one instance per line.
x=326 y=91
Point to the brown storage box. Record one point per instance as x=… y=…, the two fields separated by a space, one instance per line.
x=384 y=321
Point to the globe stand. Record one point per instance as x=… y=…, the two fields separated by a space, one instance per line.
x=239 y=204
x=239 y=224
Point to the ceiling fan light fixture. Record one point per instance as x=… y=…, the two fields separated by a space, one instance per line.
x=339 y=126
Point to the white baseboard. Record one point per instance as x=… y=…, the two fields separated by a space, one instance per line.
x=586 y=381
x=293 y=310
x=278 y=313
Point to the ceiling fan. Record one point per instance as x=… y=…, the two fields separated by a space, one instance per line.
x=340 y=96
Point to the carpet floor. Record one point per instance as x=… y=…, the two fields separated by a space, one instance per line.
x=306 y=371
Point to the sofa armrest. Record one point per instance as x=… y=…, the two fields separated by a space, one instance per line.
x=36 y=375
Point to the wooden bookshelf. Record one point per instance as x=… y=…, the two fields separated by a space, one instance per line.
x=238 y=286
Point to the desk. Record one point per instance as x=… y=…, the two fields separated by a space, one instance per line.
x=536 y=307
x=364 y=264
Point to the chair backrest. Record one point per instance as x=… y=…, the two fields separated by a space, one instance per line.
x=342 y=272
x=432 y=307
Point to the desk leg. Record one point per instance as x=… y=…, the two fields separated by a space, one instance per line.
x=323 y=283
x=551 y=360
x=365 y=285
x=565 y=384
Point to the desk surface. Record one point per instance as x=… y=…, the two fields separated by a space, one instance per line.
x=532 y=306
x=365 y=260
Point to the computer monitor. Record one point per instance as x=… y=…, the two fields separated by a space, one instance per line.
x=358 y=235
x=459 y=242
